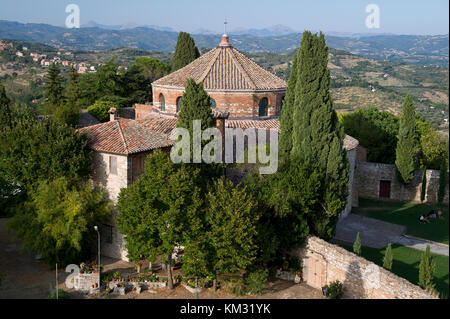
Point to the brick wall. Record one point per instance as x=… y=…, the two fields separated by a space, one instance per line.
x=360 y=277
x=368 y=176
x=239 y=104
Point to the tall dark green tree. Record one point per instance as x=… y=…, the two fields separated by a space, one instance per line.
x=426 y=270
x=5 y=110
x=53 y=88
x=185 y=51
x=388 y=257
x=442 y=180
x=423 y=190
x=317 y=137
x=137 y=81
x=357 y=245
x=406 y=151
x=196 y=105
x=286 y=124
x=73 y=89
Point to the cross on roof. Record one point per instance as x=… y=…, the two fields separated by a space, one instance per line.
x=225 y=26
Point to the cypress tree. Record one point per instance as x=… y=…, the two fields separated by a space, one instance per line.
x=426 y=269
x=357 y=245
x=388 y=258
x=287 y=112
x=185 y=51
x=317 y=137
x=5 y=111
x=405 y=161
x=73 y=89
x=423 y=190
x=196 y=105
x=442 y=180
x=53 y=88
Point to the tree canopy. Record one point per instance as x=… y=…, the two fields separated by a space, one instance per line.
x=185 y=51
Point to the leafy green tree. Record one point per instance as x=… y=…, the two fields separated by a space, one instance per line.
x=442 y=181
x=426 y=270
x=100 y=110
x=53 y=88
x=155 y=212
x=388 y=258
x=137 y=81
x=432 y=146
x=67 y=113
x=57 y=221
x=317 y=137
x=357 y=245
x=233 y=220
x=185 y=51
x=406 y=151
x=33 y=151
x=423 y=190
x=5 y=110
x=73 y=89
x=375 y=130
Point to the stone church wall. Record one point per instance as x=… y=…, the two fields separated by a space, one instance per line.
x=360 y=277
x=368 y=177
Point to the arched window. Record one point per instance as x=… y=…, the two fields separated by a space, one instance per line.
x=162 y=100
x=179 y=104
x=263 y=103
x=213 y=102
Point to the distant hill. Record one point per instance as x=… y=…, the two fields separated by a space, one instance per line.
x=427 y=50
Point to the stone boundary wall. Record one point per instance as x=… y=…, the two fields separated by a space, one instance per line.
x=368 y=176
x=360 y=277
x=84 y=282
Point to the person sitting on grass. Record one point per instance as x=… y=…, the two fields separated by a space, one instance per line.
x=423 y=219
x=432 y=214
x=440 y=214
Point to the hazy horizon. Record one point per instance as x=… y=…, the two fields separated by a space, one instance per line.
x=396 y=17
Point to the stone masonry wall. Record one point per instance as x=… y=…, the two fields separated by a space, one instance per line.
x=360 y=277
x=368 y=177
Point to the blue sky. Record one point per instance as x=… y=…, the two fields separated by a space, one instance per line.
x=396 y=16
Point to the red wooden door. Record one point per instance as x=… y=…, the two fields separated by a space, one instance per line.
x=385 y=189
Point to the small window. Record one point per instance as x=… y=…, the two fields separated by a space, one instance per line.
x=113 y=165
x=108 y=233
x=179 y=104
x=213 y=102
x=263 y=103
x=162 y=100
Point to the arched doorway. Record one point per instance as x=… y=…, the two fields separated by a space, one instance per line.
x=213 y=102
x=162 y=100
x=179 y=104
x=263 y=103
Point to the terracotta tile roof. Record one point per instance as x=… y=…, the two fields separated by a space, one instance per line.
x=224 y=68
x=349 y=142
x=125 y=137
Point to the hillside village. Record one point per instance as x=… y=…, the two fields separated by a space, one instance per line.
x=359 y=198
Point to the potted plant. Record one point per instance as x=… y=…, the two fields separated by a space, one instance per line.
x=298 y=277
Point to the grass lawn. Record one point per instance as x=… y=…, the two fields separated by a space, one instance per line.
x=406 y=264
x=407 y=214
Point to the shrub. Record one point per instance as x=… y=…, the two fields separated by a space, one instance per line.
x=235 y=286
x=61 y=294
x=257 y=281
x=100 y=110
x=357 y=245
x=334 y=290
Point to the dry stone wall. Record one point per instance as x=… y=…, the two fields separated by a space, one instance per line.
x=360 y=277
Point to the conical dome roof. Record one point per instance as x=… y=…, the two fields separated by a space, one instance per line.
x=224 y=68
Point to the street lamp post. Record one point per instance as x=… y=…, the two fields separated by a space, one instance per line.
x=98 y=235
